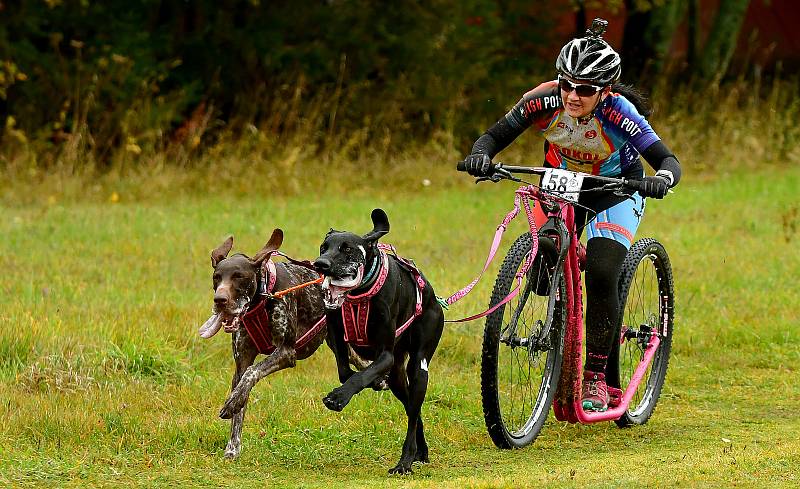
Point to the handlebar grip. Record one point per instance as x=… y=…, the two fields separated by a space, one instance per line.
x=636 y=185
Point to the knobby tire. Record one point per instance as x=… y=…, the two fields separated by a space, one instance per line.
x=646 y=290
x=514 y=417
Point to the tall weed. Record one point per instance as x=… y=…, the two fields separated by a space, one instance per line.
x=299 y=148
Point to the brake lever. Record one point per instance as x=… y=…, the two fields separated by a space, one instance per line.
x=617 y=190
x=499 y=174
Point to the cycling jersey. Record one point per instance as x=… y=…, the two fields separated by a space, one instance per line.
x=607 y=143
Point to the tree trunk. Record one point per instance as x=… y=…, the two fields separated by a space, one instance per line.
x=580 y=20
x=693 y=29
x=635 y=51
x=721 y=43
x=648 y=36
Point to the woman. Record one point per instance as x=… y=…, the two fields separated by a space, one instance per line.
x=592 y=127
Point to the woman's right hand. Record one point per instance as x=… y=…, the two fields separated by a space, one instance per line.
x=655 y=187
x=478 y=165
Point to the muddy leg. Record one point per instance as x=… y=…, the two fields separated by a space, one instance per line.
x=244 y=354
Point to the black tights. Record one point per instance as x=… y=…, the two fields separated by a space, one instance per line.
x=603 y=264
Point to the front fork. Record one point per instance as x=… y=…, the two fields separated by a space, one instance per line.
x=541 y=338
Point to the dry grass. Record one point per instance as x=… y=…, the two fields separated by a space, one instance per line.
x=713 y=131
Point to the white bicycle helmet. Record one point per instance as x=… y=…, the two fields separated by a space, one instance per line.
x=590 y=58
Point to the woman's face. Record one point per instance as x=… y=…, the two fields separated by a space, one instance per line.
x=577 y=105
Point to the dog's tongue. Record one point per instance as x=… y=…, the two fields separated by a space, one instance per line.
x=212 y=326
x=335 y=289
x=346 y=284
x=332 y=295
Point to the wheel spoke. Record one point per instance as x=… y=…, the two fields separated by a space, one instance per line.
x=517 y=375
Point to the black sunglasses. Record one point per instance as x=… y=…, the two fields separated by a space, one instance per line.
x=582 y=89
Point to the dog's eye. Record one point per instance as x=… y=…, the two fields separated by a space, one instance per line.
x=345 y=248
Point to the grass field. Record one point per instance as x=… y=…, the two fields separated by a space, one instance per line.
x=104 y=381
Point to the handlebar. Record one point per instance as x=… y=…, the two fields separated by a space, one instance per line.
x=501 y=171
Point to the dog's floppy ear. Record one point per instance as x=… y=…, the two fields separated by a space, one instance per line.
x=271 y=247
x=219 y=253
x=380 y=224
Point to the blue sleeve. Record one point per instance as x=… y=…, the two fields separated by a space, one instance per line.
x=621 y=119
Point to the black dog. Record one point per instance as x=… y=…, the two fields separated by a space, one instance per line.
x=384 y=308
x=292 y=327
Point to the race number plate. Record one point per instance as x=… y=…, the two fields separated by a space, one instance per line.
x=563 y=182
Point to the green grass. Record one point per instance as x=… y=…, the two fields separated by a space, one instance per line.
x=104 y=381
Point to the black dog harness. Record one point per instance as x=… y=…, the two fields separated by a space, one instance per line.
x=355 y=309
x=256 y=320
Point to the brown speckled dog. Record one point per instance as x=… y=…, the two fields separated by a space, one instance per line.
x=238 y=288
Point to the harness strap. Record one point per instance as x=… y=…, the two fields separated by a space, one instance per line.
x=302 y=263
x=355 y=309
x=256 y=320
x=522 y=200
x=256 y=323
x=377 y=285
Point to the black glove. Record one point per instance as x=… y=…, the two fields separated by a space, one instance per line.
x=478 y=165
x=655 y=187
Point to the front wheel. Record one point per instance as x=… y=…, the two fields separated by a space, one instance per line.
x=520 y=365
x=646 y=289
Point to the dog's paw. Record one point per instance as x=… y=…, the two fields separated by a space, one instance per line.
x=402 y=468
x=232 y=453
x=336 y=400
x=422 y=457
x=233 y=405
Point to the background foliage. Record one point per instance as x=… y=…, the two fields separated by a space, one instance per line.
x=151 y=73
x=91 y=84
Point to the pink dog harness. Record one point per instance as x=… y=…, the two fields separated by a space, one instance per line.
x=256 y=320
x=355 y=309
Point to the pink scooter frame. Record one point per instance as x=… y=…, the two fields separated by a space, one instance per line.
x=567 y=404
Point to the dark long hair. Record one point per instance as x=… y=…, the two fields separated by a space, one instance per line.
x=636 y=97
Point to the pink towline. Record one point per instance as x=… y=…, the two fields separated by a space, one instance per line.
x=522 y=199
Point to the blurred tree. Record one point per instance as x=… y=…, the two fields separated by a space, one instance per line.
x=649 y=30
x=122 y=73
x=120 y=69
x=721 y=43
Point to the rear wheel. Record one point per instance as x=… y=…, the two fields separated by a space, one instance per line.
x=519 y=368
x=647 y=291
